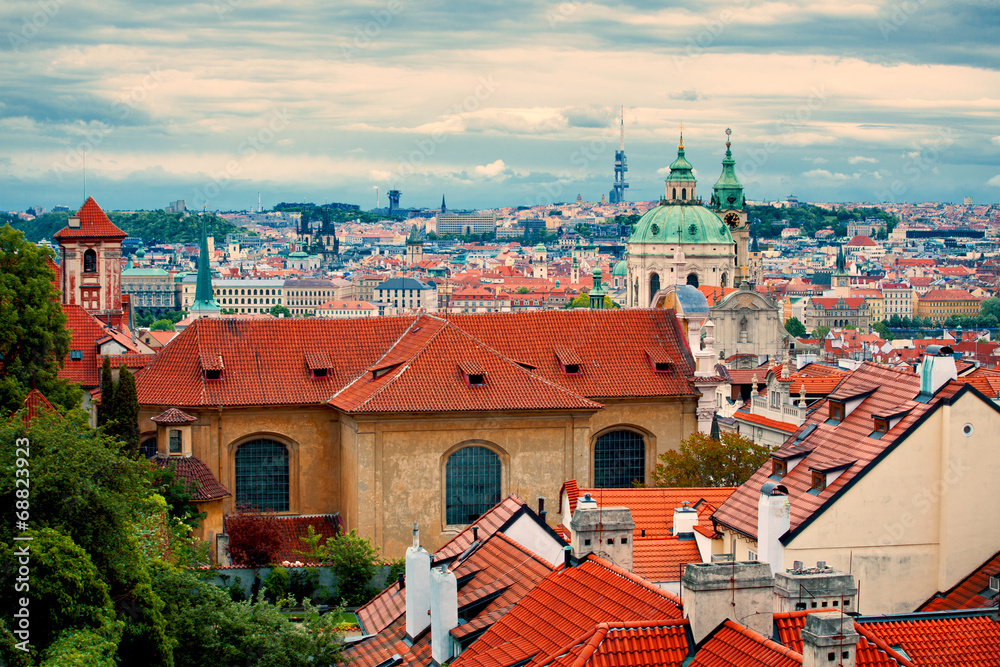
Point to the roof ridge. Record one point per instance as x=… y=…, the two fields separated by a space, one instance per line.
x=636 y=579
x=365 y=371
x=756 y=636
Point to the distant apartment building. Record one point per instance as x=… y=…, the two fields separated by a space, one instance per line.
x=939 y=305
x=364 y=286
x=478 y=300
x=790 y=232
x=402 y=295
x=346 y=309
x=247 y=296
x=898 y=299
x=303 y=295
x=838 y=312
x=466 y=223
x=867 y=227
x=149 y=289
x=875 y=299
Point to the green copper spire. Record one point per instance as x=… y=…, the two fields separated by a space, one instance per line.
x=204 y=301
x=728 y=191
x=597 y=292
x=681 y=169
x=841 y=262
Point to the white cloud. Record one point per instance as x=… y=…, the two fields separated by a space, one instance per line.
x=824 y=173
x=380 y=175
x=996 y=141
x=816 y=160
x=860 y=159
x=495 y=169
x=663 y=171
x=995 y=181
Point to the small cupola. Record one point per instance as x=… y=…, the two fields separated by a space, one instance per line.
x=173 y=432
x=681 y=183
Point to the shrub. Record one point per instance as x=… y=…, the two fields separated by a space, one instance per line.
x=354 y=560
x=276 y=586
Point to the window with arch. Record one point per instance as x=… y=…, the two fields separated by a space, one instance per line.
x=262 y=475
x=148 y=448
x=619 y=458
x=654 y=285
x=89 y=261
x=472 y=484
x=684 y=193
x=692 y=279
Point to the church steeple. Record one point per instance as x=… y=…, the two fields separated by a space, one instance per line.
x=681 y=182
x=204 y=304
x=443 y=207
x=728 y=191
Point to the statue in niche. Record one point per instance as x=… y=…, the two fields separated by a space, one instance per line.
x=744 y=334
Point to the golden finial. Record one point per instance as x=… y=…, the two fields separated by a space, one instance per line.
x=681 y=144
x=728 y=132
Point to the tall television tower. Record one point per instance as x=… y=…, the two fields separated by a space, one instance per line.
x=617 y=194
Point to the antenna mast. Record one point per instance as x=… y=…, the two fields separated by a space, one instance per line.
x=84 y=175
x=621 y=143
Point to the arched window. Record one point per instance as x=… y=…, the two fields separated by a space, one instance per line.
x=675 y=193
x=148 y=447
x=654 y=286
x=684 y=193
x=89 y=261
x=692 y=279
x=262 y=475
x=619 y=458
x=725 y=280
x=472 y=484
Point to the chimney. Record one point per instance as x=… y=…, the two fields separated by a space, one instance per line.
x=829 y=640
x=714 y=592
x=418 y=587
x=444 y=613
x=541 y=508
x=685 y=519
x=774 y=516
x=937 y=368
x=603 y=531
x=821 y=587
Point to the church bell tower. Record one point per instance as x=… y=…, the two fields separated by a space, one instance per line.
x=728 y=202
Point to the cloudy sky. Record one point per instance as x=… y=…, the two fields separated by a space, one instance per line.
x=494 y=102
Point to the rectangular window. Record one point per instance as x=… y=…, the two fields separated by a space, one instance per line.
x=836 y=410
x=818 y=481
x=76 y=355
x=175 y=441
x=779 y=468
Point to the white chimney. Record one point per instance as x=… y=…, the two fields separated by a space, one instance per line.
x=603 y=531
x=774 y=516
x=937 y=368
x=444 y=613
x=829 y=640
x=418 y=587
x=685 y=519
x=714 y=592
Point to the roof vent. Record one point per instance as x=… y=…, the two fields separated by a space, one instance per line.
x=74 y=222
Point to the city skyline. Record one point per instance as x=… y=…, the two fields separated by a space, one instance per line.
x=496 y=104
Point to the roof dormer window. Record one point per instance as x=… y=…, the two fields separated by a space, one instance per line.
x=659 y=360
x=818 y=481
x=836 y=412
x=569 y=360
x=213 y=373
x=779 y=468
x=319 y=372
x=474 y=374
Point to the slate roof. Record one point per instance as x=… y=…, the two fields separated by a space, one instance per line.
x=970 y=593
x=195 y=475
x=892 y=390
x=402 y=284
x=563 y=606
x=94 y=224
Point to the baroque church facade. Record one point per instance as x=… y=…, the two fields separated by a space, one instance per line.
x=713 y=239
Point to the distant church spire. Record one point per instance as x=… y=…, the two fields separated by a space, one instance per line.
x=204 y=304
x=443 y=207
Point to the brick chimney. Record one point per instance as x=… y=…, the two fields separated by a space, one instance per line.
x=774 y=516
x=604 y=531
x=714 y=592
x=829 y=640
x=444 y=613
x=418 y=587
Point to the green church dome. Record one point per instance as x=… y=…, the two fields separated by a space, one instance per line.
x=683 y=223
x=621 y=269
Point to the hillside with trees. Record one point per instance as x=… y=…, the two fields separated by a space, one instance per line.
x=150 y=226
x=768 y=221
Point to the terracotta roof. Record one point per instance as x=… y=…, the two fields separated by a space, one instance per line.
x=761 y=420
x=295 y=527
x=562 y=607
x=94 y=224
x=829 y=303
x=872 y=651
x=131 y=361
x=33 y=405
x=662 y=643
x=489 y=523
x=85 y=331
x=732 y=645
x=849 y=440
x=945 y=639
x=970 y=593
x=663 y=559
x=195 y=475
x=173 y=416
x=949 y=295
x=861 y=241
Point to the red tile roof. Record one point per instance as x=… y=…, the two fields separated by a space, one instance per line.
x=33 y=405
x=949 y=295
x=970 y=641
x=662 y=643
x=489 y=523
x=173 y=416
x=562 y=607
x=891 y=389
x=761 y=420
x=663 y=559
x=872 y=650
x=970 y=593
x=862 y=241
x=130 y=361
x=265 y=359
x=94 y=224
x=829 y=303
x=85 y=331
x=195 y=475
x=732 y=645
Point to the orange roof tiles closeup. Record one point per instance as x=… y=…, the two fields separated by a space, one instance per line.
x=563 y=606
x=890 y=390
x=94 y=224
x=663 y=559
x=732 y=645
x=761 y=420
x=872 y=651
x=493 y=520
x=973 y=592
x=948 y=639
x=662 y=643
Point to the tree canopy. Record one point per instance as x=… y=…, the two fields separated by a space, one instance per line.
x=34 y=340
x=795 y=327
x=704 y=461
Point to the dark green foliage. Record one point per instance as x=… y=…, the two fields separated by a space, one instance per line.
x=124 y=416
x=396 y=568
x=276 y=584
x=354 y=561
x=164 y=482
x=820 y=332
x=303 y=584
x=278 y=309
x=151 y=226
x=795 y=327
x=768 y=221
x=162 y=325
x=104 y=408
x=34 y=341
x=211 y=629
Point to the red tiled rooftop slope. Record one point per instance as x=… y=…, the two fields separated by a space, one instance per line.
x=499 y=564
x=85 y=331
x=194 y=475
x=970 y=593
x=33 y=405
x=265 y=361
x=634 y=644
x=563 y=606
x=872 y=651
x=433 y=357
x=293 y=528
x=765 y=421
x=732 y=645
x=93 y=224
x=663 y=559
x=652 y=508
x=893 y=391
x=969 y=641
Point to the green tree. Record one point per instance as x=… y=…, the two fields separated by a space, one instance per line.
x=162 y=325
x=279 y=310
x=895 y=322
x=795 y=327
x=882 y=329
x=34 y=340
x=704 y=461
x=354 y=561
x=124 y=416
x=523 y=290
x=821 y=331
x=104 y=408
x=990 y=306
x=581 y=301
